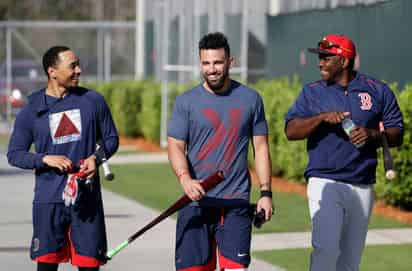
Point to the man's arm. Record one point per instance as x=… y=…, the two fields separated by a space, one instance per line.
x=301 y=128
x=361 y=135
x=177 y=157
x=394 y=136
x=107 y=138
x=108 y=132
x=19 y=154
x=263 y=168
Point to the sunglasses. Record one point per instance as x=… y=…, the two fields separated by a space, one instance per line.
x=325 y=44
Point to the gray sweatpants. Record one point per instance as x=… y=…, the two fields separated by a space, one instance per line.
x=340 y=215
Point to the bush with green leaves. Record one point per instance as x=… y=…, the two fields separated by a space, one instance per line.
x=288 y=157
x=117 y=95
x=136 y=105
x=136 y=109
x=126 y=104
x=149 y=117
x=398 y=192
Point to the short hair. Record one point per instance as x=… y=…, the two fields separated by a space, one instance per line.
x=51 y=57
x=214 y=40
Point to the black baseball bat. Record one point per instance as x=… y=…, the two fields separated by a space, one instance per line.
x=390 y=173
x=207 y=184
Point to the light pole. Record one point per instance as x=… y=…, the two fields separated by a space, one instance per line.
x=139 y=40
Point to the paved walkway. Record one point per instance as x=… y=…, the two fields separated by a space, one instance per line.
x=282 y=240
x=139 y=158
x=153 y=250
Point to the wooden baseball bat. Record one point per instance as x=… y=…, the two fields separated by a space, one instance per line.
x=390 y=173
x=207 y=184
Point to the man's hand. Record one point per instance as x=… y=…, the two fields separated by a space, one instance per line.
x=192 y=188
x=89 y=167
x=60 y=162
x=334 y=117
x=362 y=135
x=266 y=204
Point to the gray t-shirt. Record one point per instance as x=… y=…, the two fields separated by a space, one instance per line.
x=217 y=129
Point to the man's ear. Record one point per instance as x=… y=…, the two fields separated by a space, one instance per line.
x=346 y=62
x=231 y=61
x=51 y=72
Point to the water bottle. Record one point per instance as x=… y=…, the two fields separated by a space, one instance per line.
x=348 y=125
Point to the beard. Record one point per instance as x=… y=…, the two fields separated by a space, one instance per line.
x=218 y=84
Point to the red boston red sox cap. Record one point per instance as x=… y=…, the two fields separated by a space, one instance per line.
x=334 y=44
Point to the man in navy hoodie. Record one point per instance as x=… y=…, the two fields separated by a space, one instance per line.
x=64 y=122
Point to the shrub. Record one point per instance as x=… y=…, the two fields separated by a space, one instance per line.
x=126 y=105
x=399 y=191
x=150 y=111
x=287 y=156
x=136 y=109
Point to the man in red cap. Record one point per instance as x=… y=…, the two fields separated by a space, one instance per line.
x=339 y=116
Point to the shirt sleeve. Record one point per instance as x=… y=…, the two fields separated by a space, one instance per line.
x=21 y=139
x=108 y=132
x=179 y=121
x=259 y=120
x=301 y=108
x=391 y=115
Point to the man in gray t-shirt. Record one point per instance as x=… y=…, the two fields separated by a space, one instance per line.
x=209 y=130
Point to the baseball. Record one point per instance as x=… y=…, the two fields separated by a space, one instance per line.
x=390 y=174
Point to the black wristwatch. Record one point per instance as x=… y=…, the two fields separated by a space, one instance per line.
x=265 y=193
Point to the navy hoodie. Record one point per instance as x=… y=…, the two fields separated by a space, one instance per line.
x=68 y=126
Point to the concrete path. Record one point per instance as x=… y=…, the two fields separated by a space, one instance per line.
x=152 y=251
x=292 y=240
x=149 y=158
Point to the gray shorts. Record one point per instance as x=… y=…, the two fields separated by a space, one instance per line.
x=340 y=215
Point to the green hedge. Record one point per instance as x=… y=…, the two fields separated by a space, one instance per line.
x=136 y=105
x=136 y=109
x=125 y=101
x=399 y=191
x=150 y=111
x=287 y=158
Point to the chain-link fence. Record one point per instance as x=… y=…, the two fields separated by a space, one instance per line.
x=106 y=51
x=169 y=32
x=176 y=26
x=165 y=49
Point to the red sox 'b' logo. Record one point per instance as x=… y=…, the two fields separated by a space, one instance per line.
x=221 y=132
x=366 y=101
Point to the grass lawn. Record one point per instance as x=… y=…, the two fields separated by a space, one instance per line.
x=4 y=141
x=155 y=185
x=375 y=258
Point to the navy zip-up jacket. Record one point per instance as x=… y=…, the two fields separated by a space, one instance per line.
x=331 y=154
x=69 y=126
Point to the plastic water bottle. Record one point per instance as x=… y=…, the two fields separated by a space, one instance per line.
x=348 y=125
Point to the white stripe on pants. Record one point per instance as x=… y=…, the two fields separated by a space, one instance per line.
x=340 y=215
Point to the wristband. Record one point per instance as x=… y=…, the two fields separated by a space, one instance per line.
x=266 y=193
